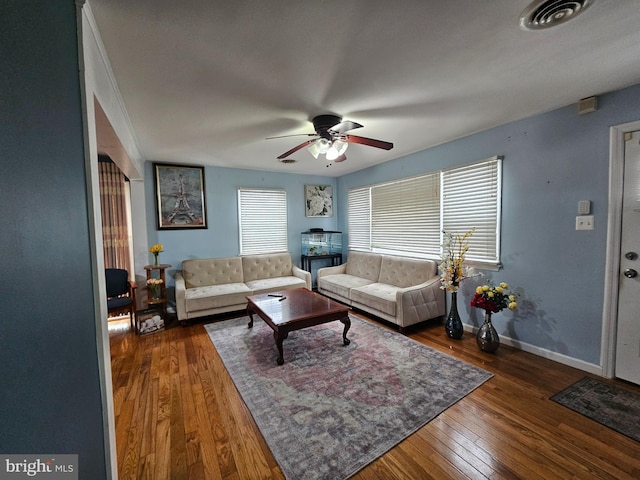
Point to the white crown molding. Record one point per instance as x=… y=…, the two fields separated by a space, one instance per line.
x=104 y=86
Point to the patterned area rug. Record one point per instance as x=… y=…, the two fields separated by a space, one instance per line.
x=331 y=409
x=607 y=404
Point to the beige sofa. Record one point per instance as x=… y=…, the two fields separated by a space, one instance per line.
x=207 y=286
x=401 y=290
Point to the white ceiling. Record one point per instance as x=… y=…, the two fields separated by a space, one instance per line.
x=206 y=81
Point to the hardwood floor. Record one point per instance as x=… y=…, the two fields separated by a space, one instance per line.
x=179 y=416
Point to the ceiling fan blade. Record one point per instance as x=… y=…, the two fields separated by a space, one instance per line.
x=344 y=126
x=295 y=149
x=294 y=135
x=369 y=141
x=341 y=158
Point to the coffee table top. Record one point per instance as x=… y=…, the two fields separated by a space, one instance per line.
x=299 y=304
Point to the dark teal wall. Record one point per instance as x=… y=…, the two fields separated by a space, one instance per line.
x=50 y=392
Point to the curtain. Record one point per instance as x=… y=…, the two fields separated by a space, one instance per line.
x=113 y=202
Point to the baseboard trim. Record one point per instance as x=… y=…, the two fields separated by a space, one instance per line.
x=542 y=352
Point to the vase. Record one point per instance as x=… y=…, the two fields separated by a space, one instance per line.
x=155 y=259
x=453 y=324
x=487 y=337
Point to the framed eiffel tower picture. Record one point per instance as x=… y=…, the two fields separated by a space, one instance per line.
x=180 y=196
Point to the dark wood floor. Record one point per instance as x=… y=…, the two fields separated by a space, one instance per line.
x=179 y=416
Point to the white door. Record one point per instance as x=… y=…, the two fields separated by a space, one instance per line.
x=628 y=333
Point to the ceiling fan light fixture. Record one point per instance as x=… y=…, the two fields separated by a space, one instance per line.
x=314 y=149
x=323 y=145
x=331 y=139
x=337 y=149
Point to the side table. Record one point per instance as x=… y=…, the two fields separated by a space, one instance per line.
x=160 y=302
x=157 y=305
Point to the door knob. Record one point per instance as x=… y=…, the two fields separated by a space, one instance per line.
x=630 y=273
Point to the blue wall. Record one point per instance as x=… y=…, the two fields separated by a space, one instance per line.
x=221 y=238
x=551 y=161
x=50 y=396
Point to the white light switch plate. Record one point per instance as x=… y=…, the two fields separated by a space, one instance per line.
x=584 y=222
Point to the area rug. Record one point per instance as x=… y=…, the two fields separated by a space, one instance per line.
x=612 y=406
x=332 y=409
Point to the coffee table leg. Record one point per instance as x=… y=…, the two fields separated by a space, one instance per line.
x=250 y=318
x=279 y=338
x=347 y=325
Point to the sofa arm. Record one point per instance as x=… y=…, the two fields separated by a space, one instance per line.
x=181 y=292
x=303 y=274
x=420 y=302
x=331 y=270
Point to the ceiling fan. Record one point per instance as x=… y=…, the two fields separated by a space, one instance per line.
x=332 y=140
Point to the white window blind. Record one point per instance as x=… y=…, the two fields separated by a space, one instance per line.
x=471 y=198
x=406 y=215
x=262 y=221
x=359 y=218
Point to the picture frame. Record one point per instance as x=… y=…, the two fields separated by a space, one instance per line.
x=318 y=200
x=180 y=197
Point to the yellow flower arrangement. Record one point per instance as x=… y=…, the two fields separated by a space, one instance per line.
x=156 y=248
x=493 y=299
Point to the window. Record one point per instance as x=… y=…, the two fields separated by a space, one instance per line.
x=471 y=198
x=359 y=219
x=408 y=216
x=262 y=221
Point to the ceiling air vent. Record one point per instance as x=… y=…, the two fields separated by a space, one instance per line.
x=548 y=13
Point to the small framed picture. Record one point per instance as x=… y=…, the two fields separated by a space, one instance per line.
x=180 y=197
x=318 y=200
x=149 y=321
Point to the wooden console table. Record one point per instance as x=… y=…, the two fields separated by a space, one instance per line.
x=305 y=260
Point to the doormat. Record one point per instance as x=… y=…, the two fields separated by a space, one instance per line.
x=607 y=404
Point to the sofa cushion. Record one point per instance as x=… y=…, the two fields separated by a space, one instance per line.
x=341 y=283
x=265 y=285
x=257 y=267
x=377 y=296
x=216 y=296
x=405 y=272
x=202 y=272
x=364 y=265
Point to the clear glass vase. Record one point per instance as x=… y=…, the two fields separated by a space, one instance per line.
x=155 y=293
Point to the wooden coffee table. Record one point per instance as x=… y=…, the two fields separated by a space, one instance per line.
x=290 y=310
